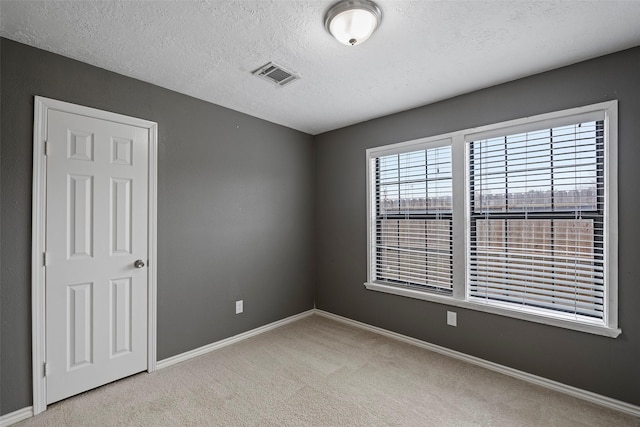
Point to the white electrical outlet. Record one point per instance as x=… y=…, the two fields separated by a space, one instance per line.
x=239 y=307
x=452 y=318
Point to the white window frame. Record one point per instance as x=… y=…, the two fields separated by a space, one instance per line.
x=459 y=140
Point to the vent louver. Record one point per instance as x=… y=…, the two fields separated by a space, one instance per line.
x=275 y=74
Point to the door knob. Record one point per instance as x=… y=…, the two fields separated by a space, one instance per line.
x=138 y=264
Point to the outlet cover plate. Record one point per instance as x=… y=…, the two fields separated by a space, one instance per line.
x=239 y=307
x=452 y=318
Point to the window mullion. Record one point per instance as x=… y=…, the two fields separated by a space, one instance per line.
x=459 y=217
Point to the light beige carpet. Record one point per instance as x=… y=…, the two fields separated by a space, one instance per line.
x=319 y=372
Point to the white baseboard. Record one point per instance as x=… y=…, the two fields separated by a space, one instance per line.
x=608 y=402
x=228 y=341
x=16 y=416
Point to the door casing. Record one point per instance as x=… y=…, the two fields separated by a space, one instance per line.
x=41 y=108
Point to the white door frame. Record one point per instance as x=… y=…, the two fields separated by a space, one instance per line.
x=41 y=108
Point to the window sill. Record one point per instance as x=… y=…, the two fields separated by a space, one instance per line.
x=448 y=300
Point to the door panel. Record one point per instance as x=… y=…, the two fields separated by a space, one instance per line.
x=96 y=228
x=120 y=301
x=80 y=212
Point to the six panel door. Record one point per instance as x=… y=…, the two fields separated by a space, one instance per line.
x=96 y=230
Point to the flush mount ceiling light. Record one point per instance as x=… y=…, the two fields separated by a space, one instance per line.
x=352 y=22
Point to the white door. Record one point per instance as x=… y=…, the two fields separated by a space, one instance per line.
x=96 y=245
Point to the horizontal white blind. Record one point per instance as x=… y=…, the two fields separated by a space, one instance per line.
x=413 y=218
x=537 y=220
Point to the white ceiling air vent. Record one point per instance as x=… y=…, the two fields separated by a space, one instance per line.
x=275 y=74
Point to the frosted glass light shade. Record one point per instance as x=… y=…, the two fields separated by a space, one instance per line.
x=352 y=22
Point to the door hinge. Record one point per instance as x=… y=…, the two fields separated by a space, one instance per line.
x=46 y=148
x=46 y=369
x=45 y=259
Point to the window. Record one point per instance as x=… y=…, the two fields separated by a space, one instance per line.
x=537 y=217
x=517 y=218
x=413 y=219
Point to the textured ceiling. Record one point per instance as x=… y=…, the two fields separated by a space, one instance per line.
x=424 y=51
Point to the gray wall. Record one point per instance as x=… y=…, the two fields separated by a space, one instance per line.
x=602 y=365
x=235 y=209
